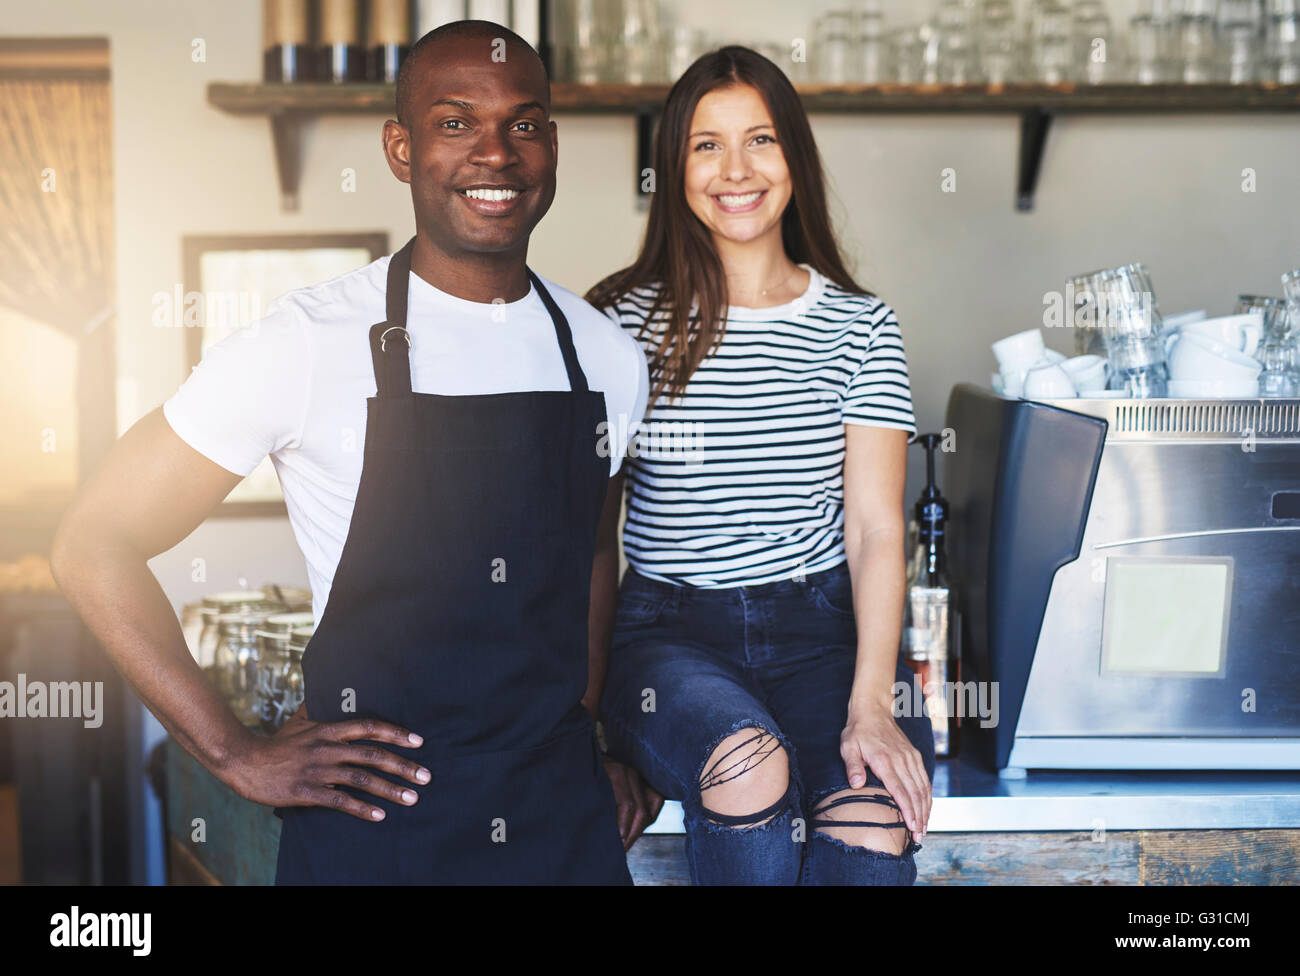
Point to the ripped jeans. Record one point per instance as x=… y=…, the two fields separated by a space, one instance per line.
x=709 y=688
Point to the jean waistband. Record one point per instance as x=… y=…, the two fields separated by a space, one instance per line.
x=639 y=583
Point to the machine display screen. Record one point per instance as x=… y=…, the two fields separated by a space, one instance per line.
x=1166 y=614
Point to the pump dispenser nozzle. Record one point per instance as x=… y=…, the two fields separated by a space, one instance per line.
x=931 y=513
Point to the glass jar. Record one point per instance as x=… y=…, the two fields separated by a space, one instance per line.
x=294 y=598
x=212 y=607
x=273 y=667
x=192 y=624
x=294 y=691
x=235 y=664
x=287 y=622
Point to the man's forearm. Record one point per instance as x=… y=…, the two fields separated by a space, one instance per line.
x=118 y=598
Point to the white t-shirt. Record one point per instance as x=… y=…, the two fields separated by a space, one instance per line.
x=293 y=385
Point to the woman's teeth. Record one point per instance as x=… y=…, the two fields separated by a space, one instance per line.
x=493 y=195
x=738 y=199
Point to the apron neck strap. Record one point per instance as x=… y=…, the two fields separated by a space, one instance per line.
x=563 y=335
x=390 y=343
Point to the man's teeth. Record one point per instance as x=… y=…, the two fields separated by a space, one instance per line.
x=738 y=199
x=494 y=195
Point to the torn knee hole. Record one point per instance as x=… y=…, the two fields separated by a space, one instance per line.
x=746 y=780
x=869 y=819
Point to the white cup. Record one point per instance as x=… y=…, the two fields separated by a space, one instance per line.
x=1086 y=372
x=1198 y=357
x=1172 y=323
x=1241 y=332
x=1048 y=382
x=1020 y=351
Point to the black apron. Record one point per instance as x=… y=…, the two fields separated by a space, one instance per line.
x=459 y=610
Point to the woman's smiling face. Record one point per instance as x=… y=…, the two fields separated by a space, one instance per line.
x=736 y=179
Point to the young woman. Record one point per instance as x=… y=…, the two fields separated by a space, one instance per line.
x=755 y=652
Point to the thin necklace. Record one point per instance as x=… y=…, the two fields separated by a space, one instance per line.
x=763 y=293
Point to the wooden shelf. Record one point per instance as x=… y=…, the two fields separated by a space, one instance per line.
x=289 y=105
x=325 y=99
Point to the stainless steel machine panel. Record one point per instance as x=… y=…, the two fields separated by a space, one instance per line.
x=1194 y=531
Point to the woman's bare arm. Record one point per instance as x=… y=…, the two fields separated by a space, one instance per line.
x=875 y=470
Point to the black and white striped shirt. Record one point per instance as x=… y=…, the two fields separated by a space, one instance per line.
x=741 y=481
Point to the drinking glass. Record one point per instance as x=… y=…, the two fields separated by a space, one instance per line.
x=956 y=43
x=588 y=38
x=1095 y=46
x=1128 y=301
x=1081 y=292
x=998 y=46
x=1240 y=28
x=836 y=50
x=1198 y=39
x=874 y=51
x=1053 y=45
x=1272 y=312
x=642 y=55
x=685 y=44
x=1283 y=42
x=1145 y=379
x=1121 y=303
x=1291 y=286
x=1279 y=351
x=929 y=40
x=1148 y=45
x=907 y=52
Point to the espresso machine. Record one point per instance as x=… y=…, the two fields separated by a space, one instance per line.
x=1128 y=574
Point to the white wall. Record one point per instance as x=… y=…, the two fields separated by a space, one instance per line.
x=962 y=269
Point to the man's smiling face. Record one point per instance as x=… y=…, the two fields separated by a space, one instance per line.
x=482 y=148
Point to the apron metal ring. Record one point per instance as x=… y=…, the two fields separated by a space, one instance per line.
x=383 y=339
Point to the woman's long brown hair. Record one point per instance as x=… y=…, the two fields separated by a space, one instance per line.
x=678 y=252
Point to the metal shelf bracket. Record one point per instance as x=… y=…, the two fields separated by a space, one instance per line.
x=1034 y=126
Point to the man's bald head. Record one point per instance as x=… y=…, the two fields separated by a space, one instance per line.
x=493 y=40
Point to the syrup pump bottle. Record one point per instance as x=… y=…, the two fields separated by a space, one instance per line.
x=928 y=646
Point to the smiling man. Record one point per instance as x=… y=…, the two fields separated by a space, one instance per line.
x=463 y=566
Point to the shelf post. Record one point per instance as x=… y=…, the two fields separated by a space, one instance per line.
x=286 y=136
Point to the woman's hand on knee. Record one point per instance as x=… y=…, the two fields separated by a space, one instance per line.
x=872 y=740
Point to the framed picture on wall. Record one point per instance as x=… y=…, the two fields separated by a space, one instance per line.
x=232 y=280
